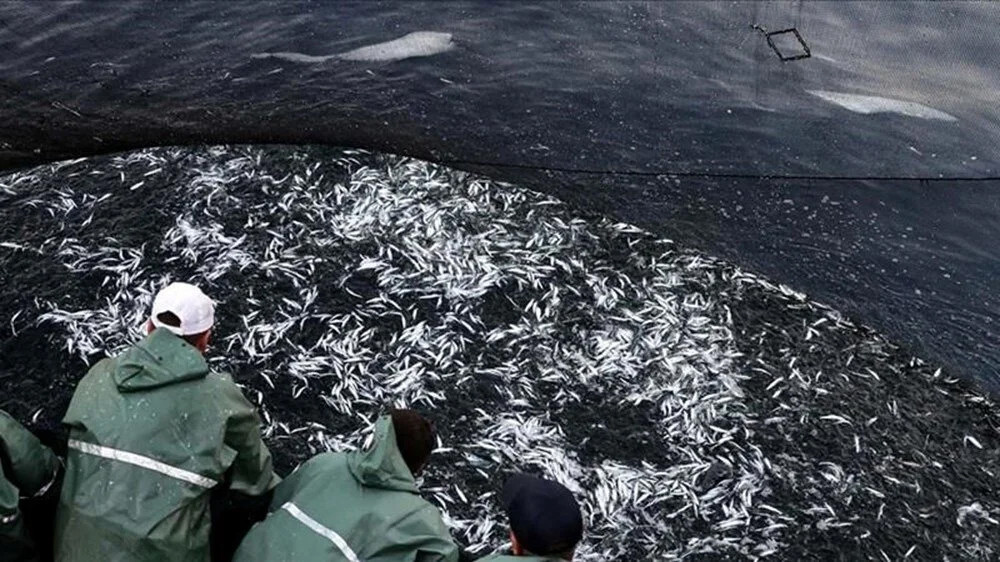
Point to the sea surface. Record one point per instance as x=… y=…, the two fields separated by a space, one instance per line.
x=890 y=125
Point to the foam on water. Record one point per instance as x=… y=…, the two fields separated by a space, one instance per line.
x=877 y=104
x=416 y=44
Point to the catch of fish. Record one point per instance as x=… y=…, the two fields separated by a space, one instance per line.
x=698 y=411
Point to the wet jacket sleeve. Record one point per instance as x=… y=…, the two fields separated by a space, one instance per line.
x=8 y=502
x=437 y=544
x=33 y=467
x=14 y=542
x=252 y=472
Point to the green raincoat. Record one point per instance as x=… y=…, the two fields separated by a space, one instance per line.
x=350 y=507
x=152 y=431
x=27 y=469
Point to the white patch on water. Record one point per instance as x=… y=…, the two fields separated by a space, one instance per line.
x=417 y=44
x=411 y=45
x=877 y=104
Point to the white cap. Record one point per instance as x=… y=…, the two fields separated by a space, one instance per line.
x=195 y=310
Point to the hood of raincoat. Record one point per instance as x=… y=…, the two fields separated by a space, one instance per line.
x=160 y=359
x=382 y=465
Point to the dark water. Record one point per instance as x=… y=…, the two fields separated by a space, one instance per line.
x=688 y=88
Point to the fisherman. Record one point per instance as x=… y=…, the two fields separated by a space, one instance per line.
x=28 y=470
x=357 y=506
x=545 y=520
x=152 y=433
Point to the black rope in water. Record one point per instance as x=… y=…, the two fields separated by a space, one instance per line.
x=712 y=175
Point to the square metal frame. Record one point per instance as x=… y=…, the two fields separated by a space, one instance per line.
x=806 y=54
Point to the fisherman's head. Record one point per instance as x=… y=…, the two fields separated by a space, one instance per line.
x=414 y=438
x=545 y=519
x=186 y=311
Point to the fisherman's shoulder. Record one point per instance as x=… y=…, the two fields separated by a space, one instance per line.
x=329 y=458
x=99 y=375
x=325 y=463
x=11 y=429
x=320 y=476
x=221 y=386
x=103 y=367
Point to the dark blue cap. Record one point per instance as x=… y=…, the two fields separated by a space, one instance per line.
x=543 y=514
